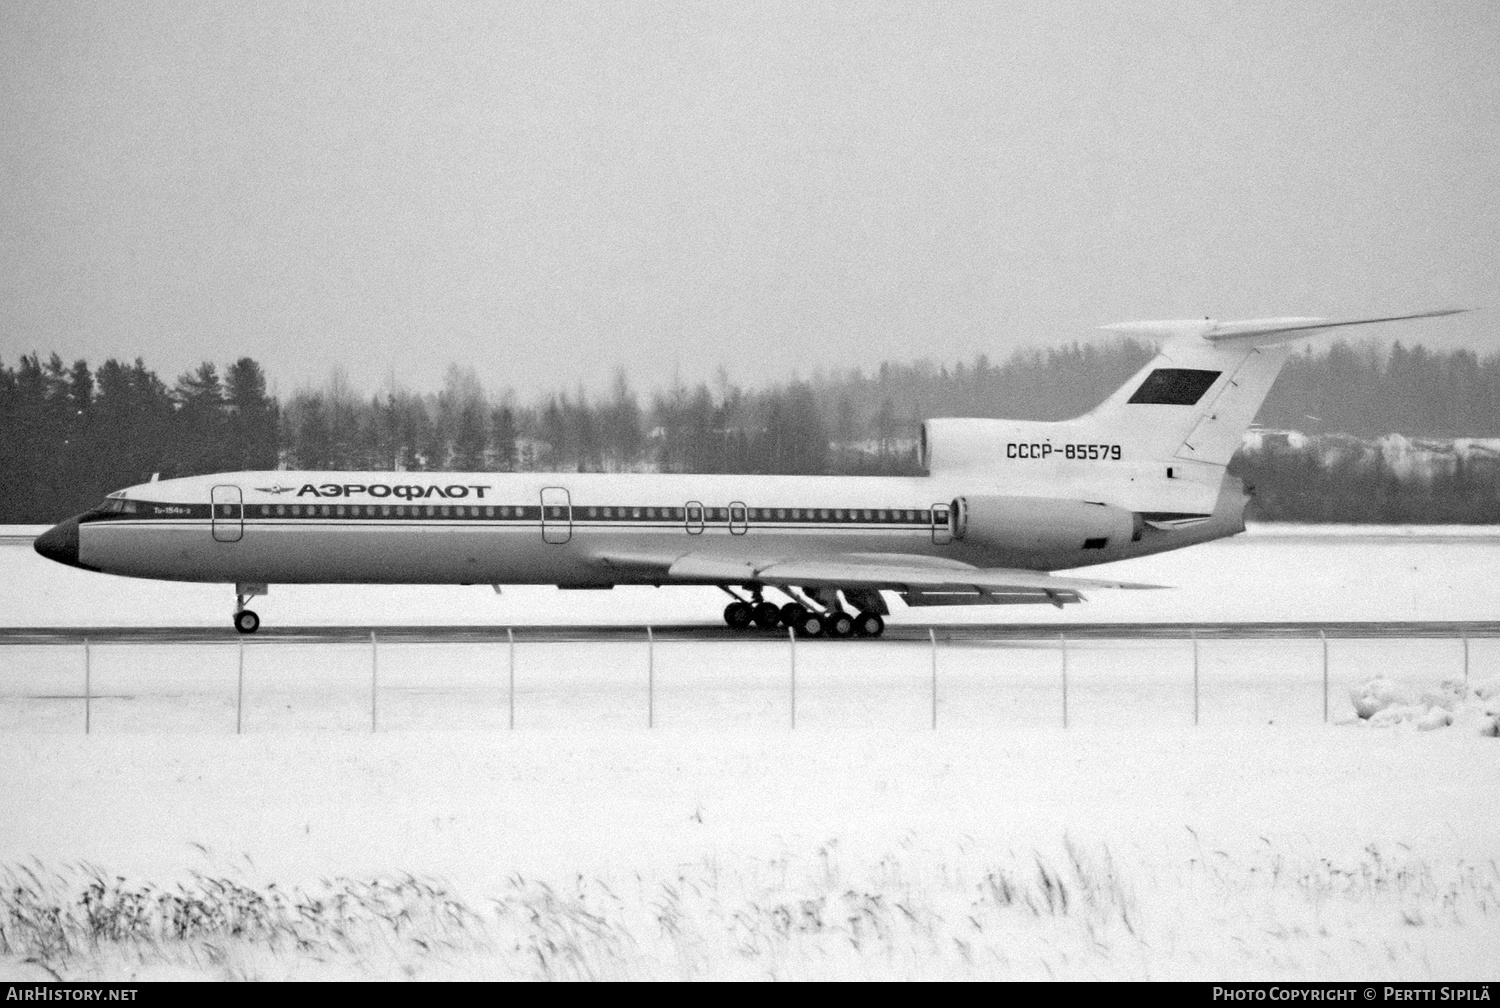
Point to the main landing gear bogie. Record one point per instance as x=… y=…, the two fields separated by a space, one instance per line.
x=804 y=621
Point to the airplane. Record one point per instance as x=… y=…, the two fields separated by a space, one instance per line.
x=1002 y=505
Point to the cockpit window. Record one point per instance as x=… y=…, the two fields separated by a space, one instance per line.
x=1174 y=387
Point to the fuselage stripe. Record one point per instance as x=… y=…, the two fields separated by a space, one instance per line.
x=517 y=515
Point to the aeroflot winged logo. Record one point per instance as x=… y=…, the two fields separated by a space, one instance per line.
x=276 y=488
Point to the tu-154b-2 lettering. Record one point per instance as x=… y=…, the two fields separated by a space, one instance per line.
x=1002 y=505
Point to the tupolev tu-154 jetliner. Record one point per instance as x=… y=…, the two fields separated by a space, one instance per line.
x=1003 y=503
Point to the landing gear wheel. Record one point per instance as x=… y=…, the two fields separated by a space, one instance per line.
x=811 y=624
x=868 y=624
x=767 y=616
x=245 y=621
x=737 y=615
x=791 y=614
x=840 y=624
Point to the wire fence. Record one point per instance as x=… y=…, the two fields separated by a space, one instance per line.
x=253 y=686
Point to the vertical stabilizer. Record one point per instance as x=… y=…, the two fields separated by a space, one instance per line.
x=1161 y=443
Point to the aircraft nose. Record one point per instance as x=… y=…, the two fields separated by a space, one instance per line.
x=60 y=542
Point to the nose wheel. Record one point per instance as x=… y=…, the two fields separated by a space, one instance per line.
x=246 y=622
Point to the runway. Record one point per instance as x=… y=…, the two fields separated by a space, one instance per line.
x=954 y=633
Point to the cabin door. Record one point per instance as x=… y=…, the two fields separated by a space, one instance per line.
x=739 y=518
x=942 y=526
x=557 y=515
x=228 y=507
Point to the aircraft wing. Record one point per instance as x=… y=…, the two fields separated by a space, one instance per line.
x=893 y=571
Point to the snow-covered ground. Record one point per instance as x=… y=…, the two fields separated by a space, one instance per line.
x=1125 y=851
x=1262 y=843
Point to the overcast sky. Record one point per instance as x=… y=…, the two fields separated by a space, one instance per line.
x=548 y=191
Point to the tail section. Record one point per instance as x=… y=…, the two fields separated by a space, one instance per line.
x=1161 y=442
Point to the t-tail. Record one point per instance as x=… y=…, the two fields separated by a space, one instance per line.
x=1160 y=445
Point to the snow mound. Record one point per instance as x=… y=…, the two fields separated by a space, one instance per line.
x=1382 y=702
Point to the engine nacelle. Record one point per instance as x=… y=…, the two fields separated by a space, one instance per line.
x=1041 y=524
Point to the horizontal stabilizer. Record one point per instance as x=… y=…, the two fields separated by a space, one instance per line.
x=1256 y=332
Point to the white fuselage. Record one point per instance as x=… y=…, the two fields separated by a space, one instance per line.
x=569 y=529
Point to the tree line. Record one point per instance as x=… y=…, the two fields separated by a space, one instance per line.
x=71 y=434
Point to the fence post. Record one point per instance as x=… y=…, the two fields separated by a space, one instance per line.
x=374 y=679
x=510 y=635
x=88 y=687
x=1064 y=639
x=1322 y=635
x=1194 y=632
x=791 y=636
x=239 y=691
x=932 y=636
x=1466 y=662
x=650 y=679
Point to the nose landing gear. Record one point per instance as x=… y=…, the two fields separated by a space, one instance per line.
x=245 y=620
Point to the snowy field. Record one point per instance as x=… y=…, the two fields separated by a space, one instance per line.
x=1261 y=843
